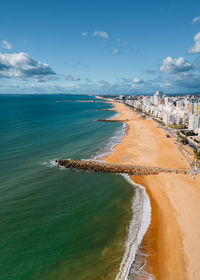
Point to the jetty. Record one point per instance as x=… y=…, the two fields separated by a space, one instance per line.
x=105 y=110
x=87 y=101
x=111 y=120
x=132 y=170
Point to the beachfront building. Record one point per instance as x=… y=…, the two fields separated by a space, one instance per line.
x=194 y=122
x=171 y=110
x=196 y=108
x=157 y=97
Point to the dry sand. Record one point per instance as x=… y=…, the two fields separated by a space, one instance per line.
x=172 y=241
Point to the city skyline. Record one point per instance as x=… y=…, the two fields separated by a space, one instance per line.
x=100 y=48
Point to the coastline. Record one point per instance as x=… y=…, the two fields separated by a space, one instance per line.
x=167 y=245
x=141 y=211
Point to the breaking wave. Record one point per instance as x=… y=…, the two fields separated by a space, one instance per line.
x=140 y=222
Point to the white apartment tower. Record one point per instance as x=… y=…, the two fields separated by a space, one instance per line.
x=158 y=95
x=194 y=122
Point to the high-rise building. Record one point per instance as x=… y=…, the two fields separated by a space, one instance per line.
x=196 y=108
x=157 y=96
x=159 y=93
x=194 y=122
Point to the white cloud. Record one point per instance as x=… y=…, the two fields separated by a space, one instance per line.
x=196 y=47
x=44 y=78
x=6 y=45
x=115 y=51
x=137 y=80
x=167 y=84
x=118 y=40
x=101 y=34
x=188 y=81
x=173 y=66
x=182 y=82
x=196 y=19
x=84 y=33
x=21 y=65
x=71 y=78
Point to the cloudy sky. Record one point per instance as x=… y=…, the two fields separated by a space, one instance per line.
x=100 y=47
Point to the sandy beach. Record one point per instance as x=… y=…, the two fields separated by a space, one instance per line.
x=172 y=241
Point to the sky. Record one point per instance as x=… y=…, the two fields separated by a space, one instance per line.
x=99 y=47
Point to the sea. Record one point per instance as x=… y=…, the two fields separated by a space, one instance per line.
x=55 y=223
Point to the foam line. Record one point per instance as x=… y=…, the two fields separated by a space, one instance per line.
x=112 y=142
x=140 y=222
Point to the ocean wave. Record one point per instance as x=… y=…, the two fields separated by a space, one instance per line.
x=138 y=269
x=52 y=163
x=108 y=148
x=140 y=222
x=115 y=115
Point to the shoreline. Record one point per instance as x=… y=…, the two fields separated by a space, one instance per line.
x=142 y=195
x=167 y=242
x=141 y=219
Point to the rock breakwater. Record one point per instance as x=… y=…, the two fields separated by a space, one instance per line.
x=111 y=120
x=117 y=168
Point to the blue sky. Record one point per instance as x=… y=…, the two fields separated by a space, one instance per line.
x=99 y=47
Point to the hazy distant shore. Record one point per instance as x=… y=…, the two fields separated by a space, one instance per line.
x=172 y=242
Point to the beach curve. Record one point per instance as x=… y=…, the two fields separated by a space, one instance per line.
x=167 y=240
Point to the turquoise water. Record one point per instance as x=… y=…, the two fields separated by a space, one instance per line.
x=56 y=223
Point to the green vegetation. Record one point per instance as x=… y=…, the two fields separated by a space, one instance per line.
x=182 y=139
x=197 y=154
x=189 y=133
x=178 y=126
x=197 y=141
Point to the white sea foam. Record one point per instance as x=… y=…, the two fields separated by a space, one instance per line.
x=138 y=269
x=108 y=148
x=114 y=116
x=140 y=222
x=52 y=163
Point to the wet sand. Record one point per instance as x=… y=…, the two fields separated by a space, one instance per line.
x=172 y=241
